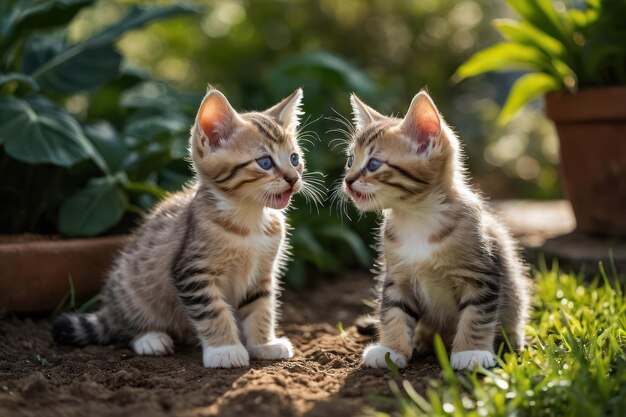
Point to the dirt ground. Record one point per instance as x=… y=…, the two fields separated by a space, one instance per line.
x=325 y=378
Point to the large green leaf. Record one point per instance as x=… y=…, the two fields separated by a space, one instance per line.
x=94 y=209
x=35 y=130
x=89 y=69
x=504 y=57
x=137 y=18
x=542 y=15
x=19 y=16
x=526 y=34
x=351 y=77
x=87 y=55
x=109 y=143
x=525 y=89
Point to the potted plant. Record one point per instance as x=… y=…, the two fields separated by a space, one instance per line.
x=576 y=56
x=86 y=145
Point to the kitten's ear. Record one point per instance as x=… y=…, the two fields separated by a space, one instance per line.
x=362 y=114
x=422 y=122
x=216 y=119
x=288 y=111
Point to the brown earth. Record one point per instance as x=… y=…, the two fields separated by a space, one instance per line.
x=325 y=378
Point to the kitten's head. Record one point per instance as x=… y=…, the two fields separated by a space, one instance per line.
x=396 y=163
x=252 y=157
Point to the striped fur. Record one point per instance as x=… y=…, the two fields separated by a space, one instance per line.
x=205 y=264
x=446 y=264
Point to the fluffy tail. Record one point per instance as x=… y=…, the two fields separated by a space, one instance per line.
x=367 y=325
x=82 y=329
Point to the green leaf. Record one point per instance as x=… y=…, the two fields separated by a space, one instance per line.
x=525 y=89
x=526 y=34
x=135 y=19
x=91 y=68
x=109 y=143
x=35 y=130
x=351 y=77
x=94 y=209
x=16 y=77
x=312 y=250
x=82 y=56
x=20 y=16
x=352 y=239
x=542 y=15
x=504 y=57
x=154 y=128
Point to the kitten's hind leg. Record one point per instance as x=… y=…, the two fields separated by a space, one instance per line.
x=259 y=324
x=153 y=344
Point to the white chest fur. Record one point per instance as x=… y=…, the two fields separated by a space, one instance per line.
x=412 y=243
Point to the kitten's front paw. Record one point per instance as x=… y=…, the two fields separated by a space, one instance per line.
x=229 y=356
x=276 y=349
x=153 y=344
x=374 y=357
x=471 y=359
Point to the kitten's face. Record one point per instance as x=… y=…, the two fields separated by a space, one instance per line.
x=393 y=163
x=252 y=157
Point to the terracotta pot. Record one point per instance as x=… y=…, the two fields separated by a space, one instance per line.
x=34 y=275
x=592 y=132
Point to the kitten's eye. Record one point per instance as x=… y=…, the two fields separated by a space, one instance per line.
x=295 y=159
x=350 y=160
x=373 y=164
x=265 y=162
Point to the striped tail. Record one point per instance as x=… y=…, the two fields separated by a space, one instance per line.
x=367 y=325
x=82 y=329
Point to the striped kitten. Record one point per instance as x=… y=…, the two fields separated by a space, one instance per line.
x=206 y=262
x=446 y=265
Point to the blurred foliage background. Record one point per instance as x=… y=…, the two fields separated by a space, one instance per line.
x=258 y=51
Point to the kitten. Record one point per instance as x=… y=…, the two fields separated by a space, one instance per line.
x=206 y=262
x=446 y=265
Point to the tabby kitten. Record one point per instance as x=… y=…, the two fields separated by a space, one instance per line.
x=446 y=265
x=206 y=262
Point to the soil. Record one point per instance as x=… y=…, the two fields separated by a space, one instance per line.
x=325 y=378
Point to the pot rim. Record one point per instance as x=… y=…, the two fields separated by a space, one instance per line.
x=588 y=105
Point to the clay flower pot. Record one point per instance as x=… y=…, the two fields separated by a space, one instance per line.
x=592 y=133
x=34 y=275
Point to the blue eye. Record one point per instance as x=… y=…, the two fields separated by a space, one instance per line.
x=373 y=164
x=350 y=160
x=265 y=162
x=295 y=159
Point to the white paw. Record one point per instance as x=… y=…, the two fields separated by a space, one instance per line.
x=374 y=357
x=276 y=349
x=470 y=359
x=229 y=356
x=153 y=344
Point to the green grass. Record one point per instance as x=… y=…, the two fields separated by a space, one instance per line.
x=575 y=364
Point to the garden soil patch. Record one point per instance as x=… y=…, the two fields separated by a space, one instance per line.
x=325 y=378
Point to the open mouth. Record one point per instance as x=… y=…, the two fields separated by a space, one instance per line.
x=281 y=200
x=357 y=196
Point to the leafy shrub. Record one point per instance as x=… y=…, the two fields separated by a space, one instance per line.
x=80 y=174
x=565 y=49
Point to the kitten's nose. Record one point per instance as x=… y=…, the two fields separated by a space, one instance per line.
x=351 y=181
x=290 y=180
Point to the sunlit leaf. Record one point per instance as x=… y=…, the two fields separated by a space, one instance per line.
x=525 y=89
x=504 y=57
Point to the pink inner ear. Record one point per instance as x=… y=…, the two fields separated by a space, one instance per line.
x=215 y=121
x=423 y=133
